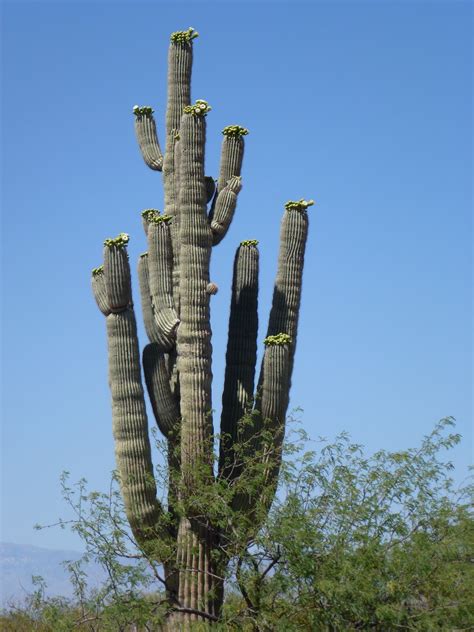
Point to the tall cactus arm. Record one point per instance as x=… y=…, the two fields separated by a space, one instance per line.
x=130 y=426
x=160 y=262
x=145 y=131
x=241 y=353
x=226 y=202
x=180 y=61
x=171 y=187
x=287 y=291
x=232 y=154
x=158 y=385
x=99 y=290
x=194 y=331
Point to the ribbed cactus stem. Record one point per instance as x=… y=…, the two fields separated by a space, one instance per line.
x=163 y=402
x=224 y=209
x=241 y=353
x=147 y=215
x=232 y=154
x=171 y=187
x=147 y=137
x=288 y=284
x=99 y=290
x=117 y=273
x=152 y=330
x=180 y=59
x=130 y=426
x=160 y=261
x=194 y=332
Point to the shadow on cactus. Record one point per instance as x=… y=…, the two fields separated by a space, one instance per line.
x=188 y=539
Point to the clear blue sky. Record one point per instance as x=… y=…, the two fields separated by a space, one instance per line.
x=364 y=106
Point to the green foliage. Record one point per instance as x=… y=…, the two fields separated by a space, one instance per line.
x=353 y=541
x=97 y=271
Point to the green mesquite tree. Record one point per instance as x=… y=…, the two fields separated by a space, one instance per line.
x=175 y=294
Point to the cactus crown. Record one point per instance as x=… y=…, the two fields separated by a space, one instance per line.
x=298 y=205
x=277 y=340
x=149 y=213
x=235 y=131
x=97 y=271
x=117 y=242
x=146 y=110
x=159 y=219
x=184 y=37
x=200 y=108
x=249 y=242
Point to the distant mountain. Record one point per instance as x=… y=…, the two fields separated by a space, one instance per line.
x=19 y=562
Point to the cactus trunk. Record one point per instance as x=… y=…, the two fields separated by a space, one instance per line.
x=188 y=535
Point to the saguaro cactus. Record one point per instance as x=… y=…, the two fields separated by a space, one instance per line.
x=175 y=290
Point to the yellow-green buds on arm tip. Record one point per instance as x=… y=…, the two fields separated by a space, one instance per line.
x=145 y=110
x=249 y=242
x=184 y=37
x=235 y=131
x=277 y=340
x=160 y=219
x=148 y=213
x=97 y=271
x=120 y=241
x=298 y=205
x=200 y=108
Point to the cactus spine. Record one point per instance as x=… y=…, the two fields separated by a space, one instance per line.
x=175 y=289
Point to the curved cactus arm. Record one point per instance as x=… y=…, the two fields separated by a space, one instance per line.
x=288 y=283
x=194 y=331
x=160 y=262
x=130 y=426
x=158 y=385
x=99 y=290
x=232 y=154
x=145 y=131
x=171 y=188
x=226 y=202
x=153 y=332
x=180 y=61
x=241 y=353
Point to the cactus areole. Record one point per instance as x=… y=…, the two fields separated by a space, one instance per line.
x=176 y=291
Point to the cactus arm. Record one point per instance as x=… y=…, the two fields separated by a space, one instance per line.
x=171 y=188
x=157 y=381
x=180 y=61
x=130 y=426
x=153 y=332
x=241 y=353
x=194 y=331
x=145 y=131
x=288 y=283
x=160 y=262
x=226 y=202
x=232 y=154
x=99 y=290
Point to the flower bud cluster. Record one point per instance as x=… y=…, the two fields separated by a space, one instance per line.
x=146 y=110
x=298 y=205
x=184 y=37
x=277 y=340
x=149 y=213
x=97 y=271
x=159 y=219
x=235 y=131
x=117 y=242
x=249 y=242
x=200 y=108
